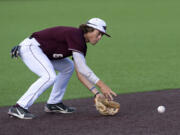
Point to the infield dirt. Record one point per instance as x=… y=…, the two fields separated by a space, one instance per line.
x=138 y=116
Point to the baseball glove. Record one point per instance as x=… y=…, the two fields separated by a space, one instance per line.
x=106 y=107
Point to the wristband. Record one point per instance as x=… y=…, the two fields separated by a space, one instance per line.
x=96 y=94
x=92 y=88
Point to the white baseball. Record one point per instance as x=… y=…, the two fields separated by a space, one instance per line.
x=161 y=109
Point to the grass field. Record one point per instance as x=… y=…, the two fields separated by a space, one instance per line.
x=142 y=55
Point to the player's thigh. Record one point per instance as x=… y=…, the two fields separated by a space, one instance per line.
x=36 y=60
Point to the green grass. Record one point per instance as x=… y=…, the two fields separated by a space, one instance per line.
x=142 y=55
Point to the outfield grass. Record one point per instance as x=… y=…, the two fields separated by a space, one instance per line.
x=142 y=54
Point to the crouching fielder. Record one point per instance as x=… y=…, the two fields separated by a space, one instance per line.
x=48 y=50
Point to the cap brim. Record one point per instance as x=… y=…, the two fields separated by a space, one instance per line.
x=107 y=35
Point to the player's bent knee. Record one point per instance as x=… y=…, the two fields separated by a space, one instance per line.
x=50 y=78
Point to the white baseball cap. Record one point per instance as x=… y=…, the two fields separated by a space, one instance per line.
x=98 y=24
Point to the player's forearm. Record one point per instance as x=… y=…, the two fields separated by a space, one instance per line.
x=83 y=69
x=86 y=83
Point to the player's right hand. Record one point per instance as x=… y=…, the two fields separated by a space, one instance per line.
x=15 y=52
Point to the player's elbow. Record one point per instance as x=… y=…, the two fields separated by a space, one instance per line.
x=80 y=72
x=83 y=72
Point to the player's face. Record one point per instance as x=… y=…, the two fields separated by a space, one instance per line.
x=94 y=37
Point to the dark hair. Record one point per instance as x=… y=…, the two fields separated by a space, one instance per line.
x=86 y=28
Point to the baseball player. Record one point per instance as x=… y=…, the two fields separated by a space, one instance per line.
x=47 y=51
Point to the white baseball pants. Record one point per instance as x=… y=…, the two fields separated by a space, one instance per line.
x=34 y=58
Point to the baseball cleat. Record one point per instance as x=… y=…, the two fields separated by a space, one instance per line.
x=19 y=112
x=59 y=108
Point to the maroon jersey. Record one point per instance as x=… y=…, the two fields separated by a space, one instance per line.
x=59 y=42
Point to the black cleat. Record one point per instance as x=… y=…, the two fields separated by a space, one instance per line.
x=19 y=112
